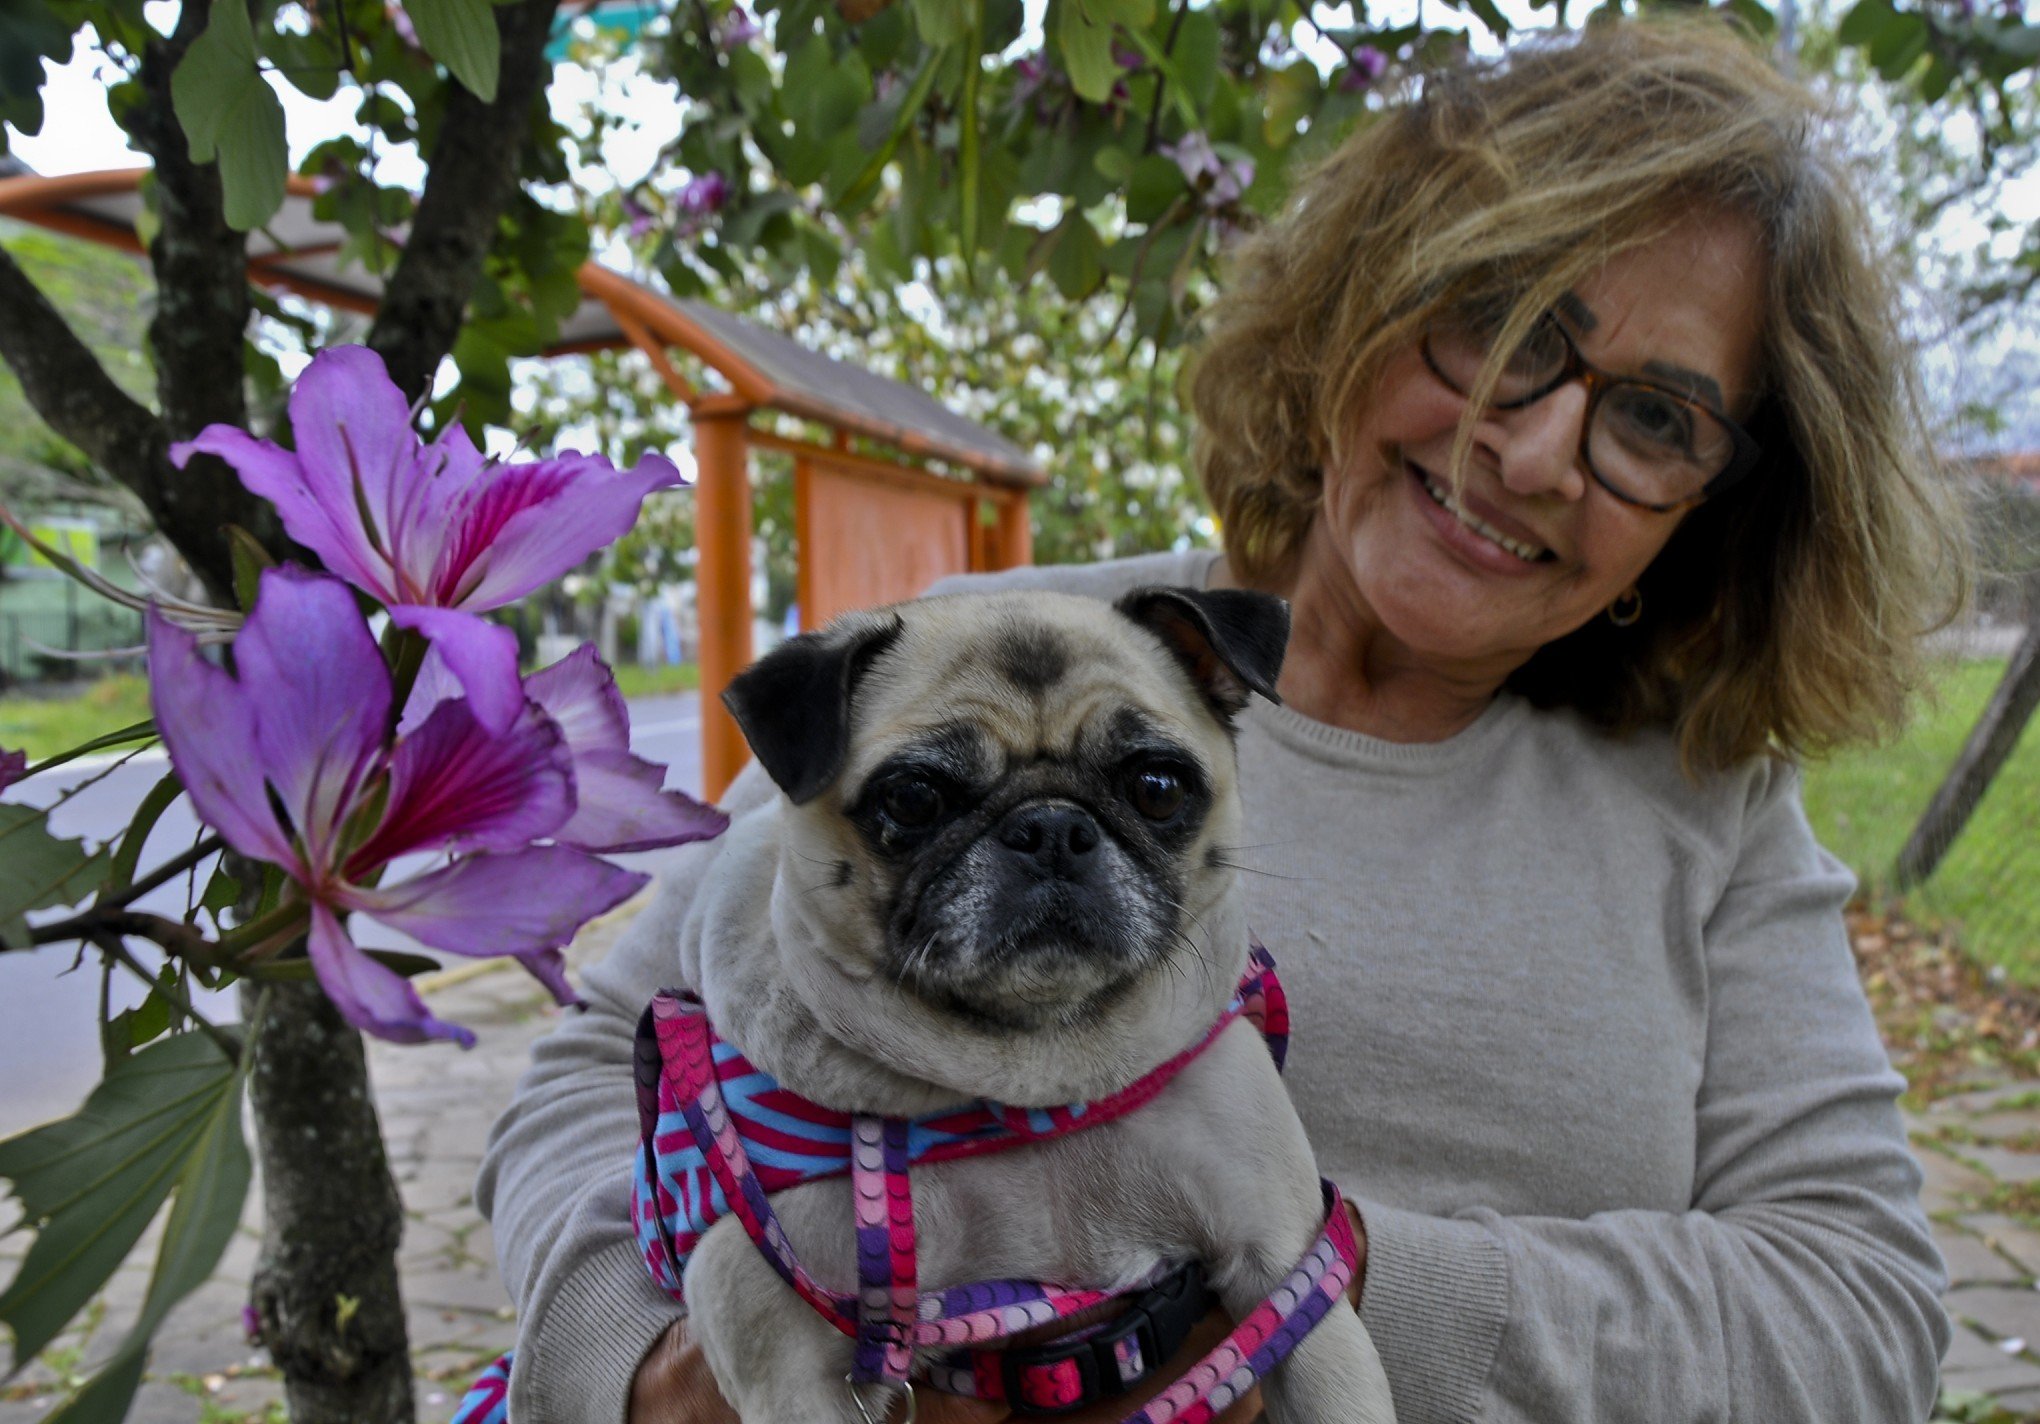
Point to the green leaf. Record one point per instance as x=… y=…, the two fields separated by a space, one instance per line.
x=250 y=559
x=1898 y=45
x=1177 y=86
x=1196 y=55
x=1292 y=95
x=232 y=117
x=1861 y=24
x=91 y=1183
x=120 y=871
x=1076 y=266
x=944 y=22
x=38 y=871
x=1086 y=44
x=1156 y=183
x=211 y=1190
x=133 y=732
x=866 y=180
x=29 y=33
x=461 y=34
x=969 y=171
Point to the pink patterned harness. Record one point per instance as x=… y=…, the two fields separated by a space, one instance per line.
x=706 y=1113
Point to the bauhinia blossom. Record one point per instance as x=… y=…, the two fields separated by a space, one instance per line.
x=13 y=765
x=620 y=800
x=293 y=763
x=429 y=529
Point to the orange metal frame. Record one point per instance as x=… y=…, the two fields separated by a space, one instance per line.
x=724 y=438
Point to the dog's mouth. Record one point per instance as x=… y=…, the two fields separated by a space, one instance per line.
x=1016 y=952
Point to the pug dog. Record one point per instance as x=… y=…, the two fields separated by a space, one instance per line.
x=998 y=871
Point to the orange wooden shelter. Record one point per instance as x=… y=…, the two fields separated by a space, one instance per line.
x=873 y=525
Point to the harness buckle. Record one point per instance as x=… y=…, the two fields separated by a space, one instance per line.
x=1061 y=1375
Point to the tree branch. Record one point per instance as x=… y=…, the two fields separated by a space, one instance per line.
x=73 y=394
x=473 y=176
x=201 y=323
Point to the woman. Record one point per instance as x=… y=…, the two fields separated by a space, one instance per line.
x=1567 y=407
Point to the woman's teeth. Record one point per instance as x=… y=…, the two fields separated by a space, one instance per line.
x=1528 y=553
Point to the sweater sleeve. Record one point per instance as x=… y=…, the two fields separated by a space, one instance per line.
x=1800 y=1285
x=555 y=1180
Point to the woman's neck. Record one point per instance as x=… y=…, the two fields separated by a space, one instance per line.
x=1343 y=668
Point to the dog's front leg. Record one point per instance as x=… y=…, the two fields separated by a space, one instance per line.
x=775 y=1360
x=1255 y=1189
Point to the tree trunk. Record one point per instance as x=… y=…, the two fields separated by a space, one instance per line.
x=326 y=1291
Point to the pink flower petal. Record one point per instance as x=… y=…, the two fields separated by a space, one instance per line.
x=372 y=997
x=356 y=448
x=435 y=684
x=549 y=967
x=12 y=765
x=521 y=903
x=579 y=692
x=321 y=698
x=317 y=516
x=452 y=785
x=532 y=523
x=482 y=657
x=208 y=726
x=620 y=806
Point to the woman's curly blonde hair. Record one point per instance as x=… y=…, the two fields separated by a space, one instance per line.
x=1784 y=615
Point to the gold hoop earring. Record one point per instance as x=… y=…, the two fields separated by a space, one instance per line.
x=1626 y=609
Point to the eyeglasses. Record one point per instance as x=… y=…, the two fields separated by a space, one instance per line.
x=1647 y=444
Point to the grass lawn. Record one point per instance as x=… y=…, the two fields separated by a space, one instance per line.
x=636 y=680
x=1864 y=804
x=44 y=726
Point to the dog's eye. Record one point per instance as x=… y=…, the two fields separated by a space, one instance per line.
x=912 y=804
x=1157 y=792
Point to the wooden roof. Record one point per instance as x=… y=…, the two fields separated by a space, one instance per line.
x=300 y=253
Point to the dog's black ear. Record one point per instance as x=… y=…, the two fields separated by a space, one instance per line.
x=1230 y=640
x=793 y=704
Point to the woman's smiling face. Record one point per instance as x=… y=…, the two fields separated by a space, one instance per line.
x=1537 y=547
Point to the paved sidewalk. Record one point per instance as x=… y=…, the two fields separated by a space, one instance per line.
x=1981 y=1152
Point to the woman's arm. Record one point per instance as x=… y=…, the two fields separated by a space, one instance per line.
x=1801 y=1285
x=555 y=1182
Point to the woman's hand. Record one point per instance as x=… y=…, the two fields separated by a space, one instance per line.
x=673 y=1386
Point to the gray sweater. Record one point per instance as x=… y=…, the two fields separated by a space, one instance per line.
x=1582 y=1040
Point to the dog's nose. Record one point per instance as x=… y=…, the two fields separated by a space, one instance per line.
x=1056 y=836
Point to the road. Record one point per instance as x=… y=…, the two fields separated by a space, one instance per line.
x=49 y=1050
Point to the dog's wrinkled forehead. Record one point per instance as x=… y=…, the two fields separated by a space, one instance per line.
x=991 y=681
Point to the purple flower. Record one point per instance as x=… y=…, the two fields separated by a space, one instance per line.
x=1364 y=68
x=13 y=765
x=736 y=30
x=620 y=802
x=1221 y=181
x=293 y=764
x=1127 y=57
x=423 y=528
x=703 y=195
x=251 y=1324
x=400 y=21
x=641 y=218
x=1194 y=155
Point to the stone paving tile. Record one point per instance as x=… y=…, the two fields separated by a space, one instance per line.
x=1972 y=1261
